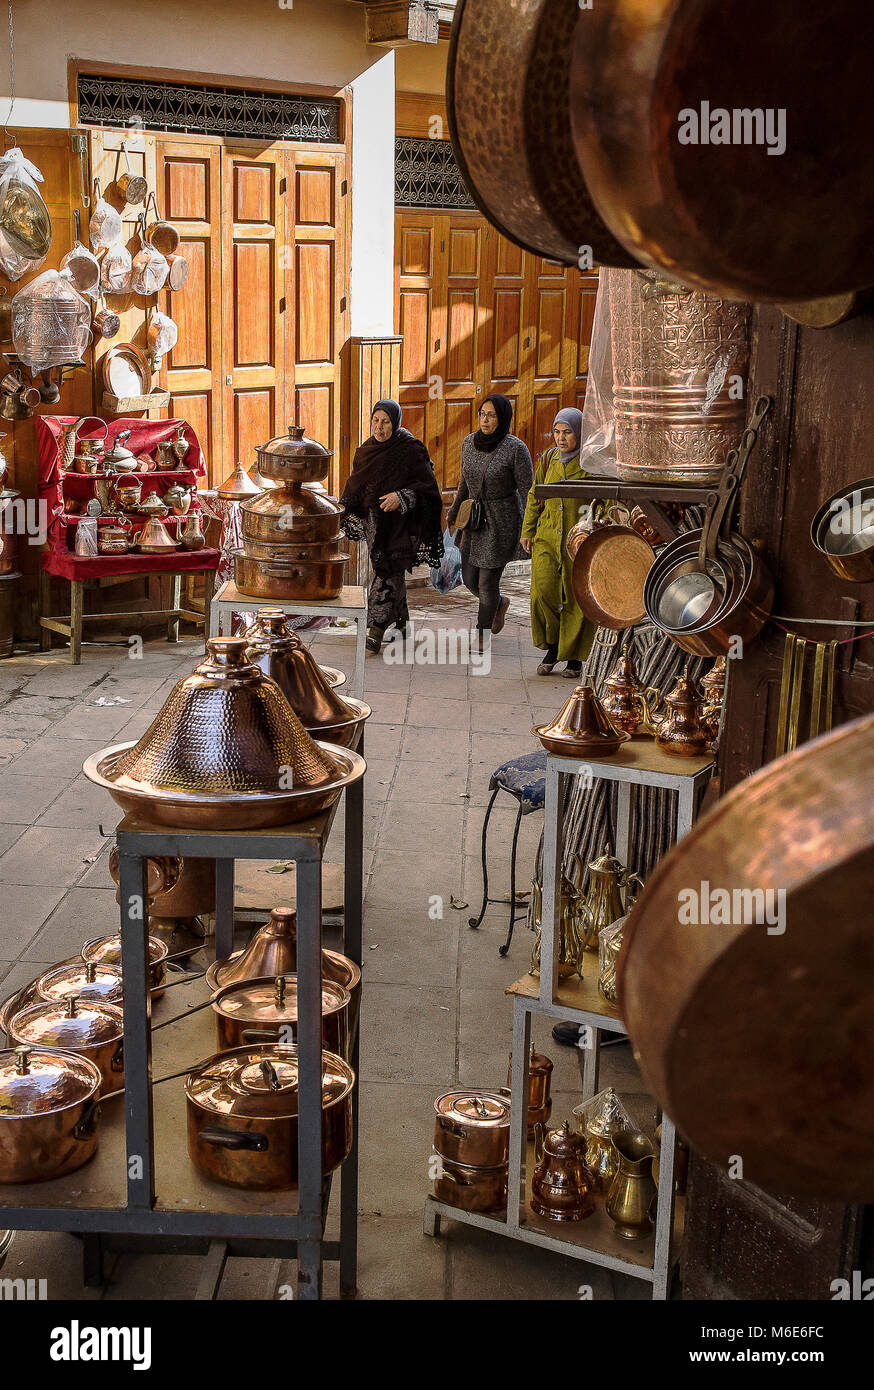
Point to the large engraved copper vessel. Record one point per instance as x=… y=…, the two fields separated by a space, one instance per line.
x=679 y=370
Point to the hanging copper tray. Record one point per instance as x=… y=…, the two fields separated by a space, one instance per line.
x=758 y=1042
x=609 y=574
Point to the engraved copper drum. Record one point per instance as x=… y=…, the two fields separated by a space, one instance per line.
x=721 y=1007
x=677 y=356
x=508 y=103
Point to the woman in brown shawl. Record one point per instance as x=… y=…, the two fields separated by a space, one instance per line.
x=392 y=503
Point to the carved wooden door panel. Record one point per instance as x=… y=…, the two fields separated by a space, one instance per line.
x=417 y=251
x=460 y=331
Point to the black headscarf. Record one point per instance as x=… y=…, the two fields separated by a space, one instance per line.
x=401 y=539
x=487 y=443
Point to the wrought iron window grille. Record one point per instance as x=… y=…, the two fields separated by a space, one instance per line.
x=427 y=176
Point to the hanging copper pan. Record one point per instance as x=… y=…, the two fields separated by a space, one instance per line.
x=723 y=1013
x=782 y=211
x=507 y=99
x=609 y=573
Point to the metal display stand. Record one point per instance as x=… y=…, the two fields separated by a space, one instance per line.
x=593 y=1240
x=350 y=603
x=197 y=1213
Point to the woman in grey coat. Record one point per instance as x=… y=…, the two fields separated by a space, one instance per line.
x=496 y=470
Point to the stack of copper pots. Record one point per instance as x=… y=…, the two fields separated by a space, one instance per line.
x=291 y=534
x=472 y=1147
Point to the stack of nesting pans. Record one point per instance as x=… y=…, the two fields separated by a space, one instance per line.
x=291 y=534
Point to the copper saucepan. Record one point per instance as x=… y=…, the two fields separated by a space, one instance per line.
x=609 y=574
x=91 y=1030
x=266 y=1010
x=843 y=531
x=48 y=1113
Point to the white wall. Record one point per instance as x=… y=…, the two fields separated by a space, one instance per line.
x=373 y=195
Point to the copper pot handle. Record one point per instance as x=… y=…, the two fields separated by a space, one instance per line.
x=87 y=1123
x=233 y=1139
x=257 y=1035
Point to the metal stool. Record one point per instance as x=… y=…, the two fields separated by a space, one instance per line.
x=525 y=779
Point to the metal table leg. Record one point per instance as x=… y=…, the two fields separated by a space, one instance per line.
x=137 y=1031
x=518 y=1110
x=309 y=1041
x=475 y=921
x=353 y=894
x=77 y=605
x=224 y=908
x=175 y=604
x=360 y=653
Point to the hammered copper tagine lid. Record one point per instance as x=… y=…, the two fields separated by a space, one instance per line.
x=238 y=486
x=35 y=1082
x=582 y=728
x=262 y=1081
x=282 y=655
x=273 y=1000
x=73 y=1023
x=273 y=951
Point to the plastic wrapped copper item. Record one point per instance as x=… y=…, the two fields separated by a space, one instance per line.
x=226 y=751
x=51 y=322
x=307 y=686
x=680 y=363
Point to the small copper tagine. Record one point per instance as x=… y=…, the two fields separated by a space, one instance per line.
x=626 y=702
x=238 y=486
x=273 y=951
x=561 y=1184
x=582 y=729
x=680 y=731
x=712 y=686
x=308 y=687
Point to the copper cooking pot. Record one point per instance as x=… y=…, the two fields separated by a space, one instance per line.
x=720 y=213
x=310 y=582
x=511 y=135
x=106 y=951
x=539 y=1098
x=265 y=1010
x=242 y=1109
x=48 y=1113
x=89 y=981
x=471 y=1189
x=273 y=952
x=609 y=573
x=473 y=1128
x=843 y=531
x=91 y=1030
x=24 y=997
x=293 y=513
x=114 y=539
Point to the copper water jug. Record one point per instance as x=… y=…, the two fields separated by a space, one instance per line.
x=561 y=1184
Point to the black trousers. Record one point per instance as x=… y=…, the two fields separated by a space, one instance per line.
x=486 y=585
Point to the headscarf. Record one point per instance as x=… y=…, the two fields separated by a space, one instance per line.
x=390 y=465
x=487 y=443
x=573 y=418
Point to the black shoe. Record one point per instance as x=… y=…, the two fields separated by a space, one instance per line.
x=549 y=659
x=573 y=670
x=568 y=1034
x=374 y=639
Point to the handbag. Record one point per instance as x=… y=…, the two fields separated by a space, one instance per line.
x=470 y=515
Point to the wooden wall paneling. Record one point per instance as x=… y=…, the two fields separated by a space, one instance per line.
x=418 y=274
x=51 y=151
x=189 y=181
x=459 y=329
x=257 y=372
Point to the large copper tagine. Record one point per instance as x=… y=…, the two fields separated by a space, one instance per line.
x=226 y=751
x=281 y=654
x=581 y=729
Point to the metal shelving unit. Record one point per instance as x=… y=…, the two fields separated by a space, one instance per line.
x=593 y=1240
x=124 y=1193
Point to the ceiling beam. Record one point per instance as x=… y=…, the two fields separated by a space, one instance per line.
x=396 y=23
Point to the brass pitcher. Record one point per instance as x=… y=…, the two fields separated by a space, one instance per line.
x=632 y=1196
x=712 y=687
x=191 y=536
x=570 y=941
x=603 y=903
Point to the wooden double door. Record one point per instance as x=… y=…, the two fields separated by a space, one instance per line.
x=478 y=314
x=262 y=316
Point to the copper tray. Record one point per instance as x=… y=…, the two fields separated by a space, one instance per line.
x=609 y=573
x=758 y=1043
x=229 y=811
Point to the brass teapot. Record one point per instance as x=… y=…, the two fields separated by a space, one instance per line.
x=603 y=905
x=561 y=1184
x=178 y=499
x=680 y=731
x=628 y=704
x=570 y=941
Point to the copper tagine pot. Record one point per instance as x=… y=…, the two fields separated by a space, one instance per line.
x=722 y=991
x=91 y=1030
x=154 y=539
x=680 y=731
x=237 y=486
x=226 y=751
x=582 y=729
x=625 y=701
x=273 y=951
x=48 y=1113
x=280 y=654
x=266 y=1010
x=242 y=1116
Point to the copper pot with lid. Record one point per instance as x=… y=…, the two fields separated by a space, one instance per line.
x=273 y=952
x=84 y=979
x=311 y=581
x=471 y=1188
x=93 y=1030
x=282 y=655
x=105 y=951
x=539 y=1080
x=242 y=1111
x=48 y=1113
x=266 y=1010
x=473 y=1128
x=292 y=512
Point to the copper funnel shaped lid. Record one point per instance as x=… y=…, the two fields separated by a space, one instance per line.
x=581 y=728
x=262 y=484
x=273 y=952
x=225 y=729
x=238 y=485
x=280 y=654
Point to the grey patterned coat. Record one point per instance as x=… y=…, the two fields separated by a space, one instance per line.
x=500 y=480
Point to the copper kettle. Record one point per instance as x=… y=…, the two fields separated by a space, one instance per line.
x=626 y=702
x=680 y=731
x=561 y=1184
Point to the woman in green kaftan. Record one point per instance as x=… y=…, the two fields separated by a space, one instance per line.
x=557 y=622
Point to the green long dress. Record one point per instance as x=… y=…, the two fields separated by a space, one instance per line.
x=556 y=618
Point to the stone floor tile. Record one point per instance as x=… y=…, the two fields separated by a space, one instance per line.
x=98 y=725
x=394 y=1178
x=396 y=1262
x=50 y=756
x=408 y=1034
x=8 y=835
x=16 y=723
x=22 y=914
x=440 y=682
x=407 y=946
x=402 y=879
x=382 y=741
x=485 y=1037
x=444 y=785
x=380 y=771
x=510 y=720
x=11 y=749
x=82 y=914
x=378 y=675
x=497 y=690
x=41 y=856
x=430 y=832
x=427 y=745
x=432 y=712
x=389 y=707
x=97 y=875
x=21 y=974
x=26 y=797
x=489 y=1266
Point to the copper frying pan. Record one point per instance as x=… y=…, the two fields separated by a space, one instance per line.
x=649 y=85
x=609 y=574
x=760 y=1042
x=507 y=99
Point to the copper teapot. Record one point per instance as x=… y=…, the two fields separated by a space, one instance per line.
x=119 y=456
x=627 y=703
x=603 y=903
x=191 y=536
x=680 y=731
x=178 y=499
x=712 y=686
x=561 y=1184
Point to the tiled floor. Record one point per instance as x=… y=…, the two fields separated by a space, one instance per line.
x=434 y=1009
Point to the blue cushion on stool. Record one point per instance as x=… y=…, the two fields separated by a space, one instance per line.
x=524 y=778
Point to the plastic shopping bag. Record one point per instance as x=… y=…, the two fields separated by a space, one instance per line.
x=447 y=575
